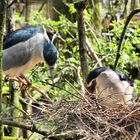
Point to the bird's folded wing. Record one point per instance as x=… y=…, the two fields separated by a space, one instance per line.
x=16 y=55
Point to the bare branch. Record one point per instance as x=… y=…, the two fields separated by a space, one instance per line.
x=24 y=126
x=11 y=4
x=41 y=7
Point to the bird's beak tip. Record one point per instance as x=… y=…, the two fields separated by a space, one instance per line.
x=52 y=73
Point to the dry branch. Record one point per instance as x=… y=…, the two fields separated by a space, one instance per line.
x=24 y=126
x=74 y=134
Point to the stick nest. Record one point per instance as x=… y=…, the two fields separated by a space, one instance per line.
x=85 y=119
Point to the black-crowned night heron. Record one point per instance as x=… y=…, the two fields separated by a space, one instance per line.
x=111 y=88
x=26 y=47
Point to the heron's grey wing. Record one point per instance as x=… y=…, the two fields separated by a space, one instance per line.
x=16 y=55
x=20 y=35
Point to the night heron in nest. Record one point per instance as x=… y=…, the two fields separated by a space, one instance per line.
x=111 y=88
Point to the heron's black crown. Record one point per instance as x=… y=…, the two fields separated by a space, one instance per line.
x=94 y=74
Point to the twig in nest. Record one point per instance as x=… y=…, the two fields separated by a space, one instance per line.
x=94 y=133
x=136 y=134
x=129 y=114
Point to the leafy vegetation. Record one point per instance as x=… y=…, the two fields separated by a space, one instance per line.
x=68 y=71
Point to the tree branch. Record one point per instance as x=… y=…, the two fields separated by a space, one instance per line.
x=11 y=4
x=24 y=126
x=122 y=35
x=43 y=4
x=80 y=6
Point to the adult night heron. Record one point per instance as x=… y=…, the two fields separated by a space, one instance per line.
x=26 y=47
x=111 y=87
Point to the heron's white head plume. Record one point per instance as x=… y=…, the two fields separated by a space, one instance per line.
x=45 y=34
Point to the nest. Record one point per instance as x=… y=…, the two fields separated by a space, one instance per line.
x=85 y=119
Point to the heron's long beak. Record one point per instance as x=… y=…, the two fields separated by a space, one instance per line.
x=52 y=73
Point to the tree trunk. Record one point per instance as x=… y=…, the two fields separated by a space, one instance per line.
x=14 y=102
x=80 y=6
x=2 y=23
x=15 y=131
x=96 y=15
x=57 y=7
x=27 y=108
x=9 y=20
x=12 y=94
x=125 y=11
x=134 y=4
x=27 y=12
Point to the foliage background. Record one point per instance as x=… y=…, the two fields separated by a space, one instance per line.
x=102 y=36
